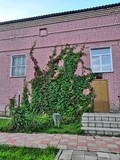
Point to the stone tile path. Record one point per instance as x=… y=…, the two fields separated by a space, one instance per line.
x=63 y=141
x=86 y=155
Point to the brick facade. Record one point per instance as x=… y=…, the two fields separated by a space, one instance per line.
x=94 y=28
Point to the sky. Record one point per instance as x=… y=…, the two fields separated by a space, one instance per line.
x=18 y=9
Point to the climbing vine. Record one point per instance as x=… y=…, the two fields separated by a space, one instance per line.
x=25 y=96
x=58 y=88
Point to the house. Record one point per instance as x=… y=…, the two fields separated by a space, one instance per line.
x=98 y=28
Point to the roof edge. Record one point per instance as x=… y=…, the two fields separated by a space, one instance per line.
x=59 y=14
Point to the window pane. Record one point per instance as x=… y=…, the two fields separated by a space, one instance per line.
x=22 y=60
x=19 y=60
x=95 y=63
x=106 y=63
x=15 y=61
x=98 y=51
x=14 y=71
x=21 y=71
x=96 y=68
x=106 y=68
x=105 y=59
x=95 y=60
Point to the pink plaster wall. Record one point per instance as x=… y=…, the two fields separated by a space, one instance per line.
x=93 y=32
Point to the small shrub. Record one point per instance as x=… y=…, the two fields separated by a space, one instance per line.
x=22 y=119
x=12 y=105
x=43 y=120
x=67 y=120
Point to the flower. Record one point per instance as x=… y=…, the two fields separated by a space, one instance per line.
x=60 y=63
x=86 y=91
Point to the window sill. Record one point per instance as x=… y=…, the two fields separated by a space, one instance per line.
x=17 y=76
x=103 y=71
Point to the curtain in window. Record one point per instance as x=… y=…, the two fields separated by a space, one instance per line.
x=18 y=65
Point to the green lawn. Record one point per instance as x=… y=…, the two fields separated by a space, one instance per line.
x=23 y=153
x=4 y=124
x=72 y=127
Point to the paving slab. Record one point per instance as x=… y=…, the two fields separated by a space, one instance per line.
x=86 y=155
x=63 y=141
x=72 y=147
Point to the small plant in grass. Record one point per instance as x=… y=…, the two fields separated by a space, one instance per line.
x=12 y=104
x=22 y=120
x=43 y=121
x=68 y=119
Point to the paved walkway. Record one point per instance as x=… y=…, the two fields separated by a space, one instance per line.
x=63 y=141
x=72 y=147
x=86 y=155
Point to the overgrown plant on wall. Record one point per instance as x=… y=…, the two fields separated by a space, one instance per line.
x=58 y=88
x=25 y=96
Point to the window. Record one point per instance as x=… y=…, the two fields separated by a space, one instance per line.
x=18 y=66
x=101 y=60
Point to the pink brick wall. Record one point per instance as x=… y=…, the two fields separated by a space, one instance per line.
x=93 y=32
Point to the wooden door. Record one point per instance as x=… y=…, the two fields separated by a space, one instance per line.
x=101 y=102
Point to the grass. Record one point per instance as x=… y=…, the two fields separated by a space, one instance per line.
x=69 y=127
x=4 y=124
x=23 y=153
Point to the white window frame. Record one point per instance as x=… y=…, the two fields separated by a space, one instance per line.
x=101 y=71
x=12 y=62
